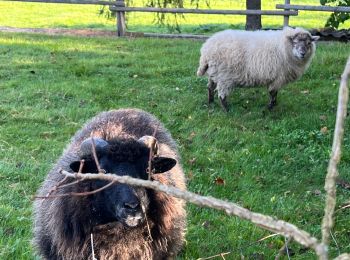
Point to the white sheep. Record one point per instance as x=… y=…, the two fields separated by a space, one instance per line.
x=234 y=58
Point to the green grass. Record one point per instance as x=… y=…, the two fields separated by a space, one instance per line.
x=271 y=162
x=38 y=15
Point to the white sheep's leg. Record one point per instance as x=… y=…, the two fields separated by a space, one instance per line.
x=223 y=92
x=273 y=98
x=211 y=88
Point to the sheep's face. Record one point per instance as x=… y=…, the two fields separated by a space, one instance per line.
x=303 y=45
x=122 y=202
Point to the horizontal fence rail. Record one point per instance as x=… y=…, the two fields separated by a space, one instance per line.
x=200 y=11
x=88 y=2
x=335 y=9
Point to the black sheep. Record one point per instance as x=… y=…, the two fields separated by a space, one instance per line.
x=117 y=216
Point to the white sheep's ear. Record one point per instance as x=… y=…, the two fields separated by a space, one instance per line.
x=315 y=38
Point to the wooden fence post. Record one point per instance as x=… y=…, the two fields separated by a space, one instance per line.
x=286 y=17
x=121 y=27
x=253 y=22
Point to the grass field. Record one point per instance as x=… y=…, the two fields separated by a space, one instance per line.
x=37 y=15
x=271 y=162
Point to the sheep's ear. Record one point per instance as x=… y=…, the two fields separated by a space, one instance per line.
x=88 y=167
x=315 y=38
x=162 y=164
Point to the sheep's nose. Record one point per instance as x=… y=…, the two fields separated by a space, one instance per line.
x=131 y=206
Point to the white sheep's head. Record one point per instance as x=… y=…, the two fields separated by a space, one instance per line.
x=303 y=44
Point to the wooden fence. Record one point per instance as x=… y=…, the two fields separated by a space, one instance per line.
x=120 y=8
x=288 y=6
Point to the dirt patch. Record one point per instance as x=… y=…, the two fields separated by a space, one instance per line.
x=325 y=34
x=70 y=32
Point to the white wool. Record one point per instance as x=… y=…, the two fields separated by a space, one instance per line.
x=234 y=58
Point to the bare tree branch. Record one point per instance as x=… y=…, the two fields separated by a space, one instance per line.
x=332 y=172
x=265 y=222
x=343 y=257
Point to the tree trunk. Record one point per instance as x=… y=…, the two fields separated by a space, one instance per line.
x=253 y=22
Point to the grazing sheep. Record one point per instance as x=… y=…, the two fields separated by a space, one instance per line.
x=246 y=59
x=117 y=216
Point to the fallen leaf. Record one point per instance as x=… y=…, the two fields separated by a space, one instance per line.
x=192 y=135
x=323 y=117
x=286 y=193
x=324 y=130
x=219 y=181
x=192 y=161
x=14 y=185
x=316 y=192
x=206 y=224
x=343 y=183
x=273 y=199
x=190 y=175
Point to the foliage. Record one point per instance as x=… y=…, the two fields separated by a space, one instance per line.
x=335 y=19
x=171 y=20
x=270 y=162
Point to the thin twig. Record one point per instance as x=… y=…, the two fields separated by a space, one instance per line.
x=332 y=172
x=149 y=169
x=100 y=170
x=92 y=247
x=272 y=235
x=81 y=166
x=263 y=221
x=69 y=184
x=335 y=241
x=151 y=152
x=286 y=242
x=284 y=249
x=255 y=242
x=59 y=184
x=155 y=130
x=148 y=227
x=77 y=193
x=56 y=187
x=344 y=207
x=213 y=256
